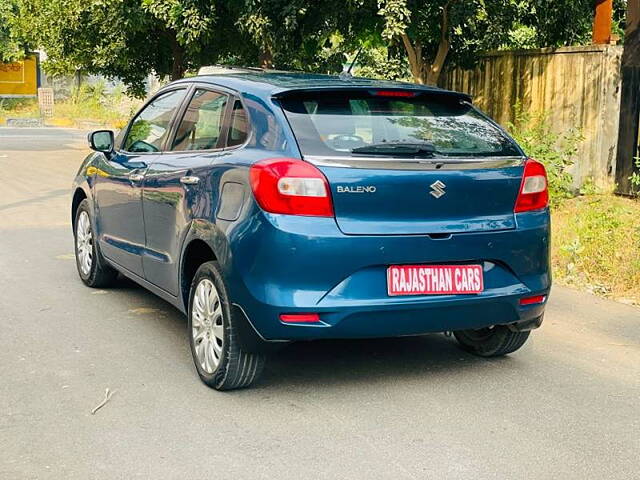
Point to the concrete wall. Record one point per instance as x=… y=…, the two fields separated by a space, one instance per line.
x=579 y=87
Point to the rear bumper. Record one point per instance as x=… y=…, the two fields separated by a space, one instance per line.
x=393 y=321
x=301 y=265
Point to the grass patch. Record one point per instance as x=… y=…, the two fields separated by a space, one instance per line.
x=596 y=245
x=18 y=108
x=87 y=107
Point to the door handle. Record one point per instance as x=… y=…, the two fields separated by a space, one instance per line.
x=136 y=177
x=189 y=180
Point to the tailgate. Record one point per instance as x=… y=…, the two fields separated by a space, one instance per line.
x=432 y=201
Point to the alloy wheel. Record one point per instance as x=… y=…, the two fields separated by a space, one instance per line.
x=84 y=243
x=207 y=325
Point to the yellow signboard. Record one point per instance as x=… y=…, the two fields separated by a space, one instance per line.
x=19 y=79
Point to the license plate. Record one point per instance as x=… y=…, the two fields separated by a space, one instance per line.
x=434 y=279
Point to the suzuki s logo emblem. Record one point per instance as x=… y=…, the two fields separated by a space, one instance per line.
x=437 y=189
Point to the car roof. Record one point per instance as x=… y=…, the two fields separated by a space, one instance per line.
x=271 y=83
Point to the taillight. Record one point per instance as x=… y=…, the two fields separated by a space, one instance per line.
x=534 y=193
x=290 y=186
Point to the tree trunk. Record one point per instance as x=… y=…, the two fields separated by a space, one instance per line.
x=266 y=58
x=629 y=102
x=78 y=82
x=425 y=72
x=416 y=62
x=178 y=66
x=433 y=74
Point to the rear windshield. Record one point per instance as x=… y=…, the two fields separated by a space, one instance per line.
x=392 y=124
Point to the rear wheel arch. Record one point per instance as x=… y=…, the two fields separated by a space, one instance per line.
x=196 y=253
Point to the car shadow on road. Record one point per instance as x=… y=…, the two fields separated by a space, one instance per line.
x=336 y=363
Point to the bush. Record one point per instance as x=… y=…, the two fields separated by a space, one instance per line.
x=18 y=108
x=556 y=151
x=635 y=178
x=88 y=104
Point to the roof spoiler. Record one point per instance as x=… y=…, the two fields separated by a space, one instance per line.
x=419 y=90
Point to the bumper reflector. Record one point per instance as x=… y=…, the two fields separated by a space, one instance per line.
x=532 y=300
x=300 y=318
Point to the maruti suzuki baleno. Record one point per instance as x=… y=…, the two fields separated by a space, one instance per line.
x=271 y=207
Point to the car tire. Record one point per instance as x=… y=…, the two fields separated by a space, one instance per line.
x=491 y=342
x=92 y=267
x=219 y=359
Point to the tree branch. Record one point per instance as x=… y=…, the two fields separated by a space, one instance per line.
x=415 y=57
x=433 y=73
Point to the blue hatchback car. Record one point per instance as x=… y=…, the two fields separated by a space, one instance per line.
x=272 y=207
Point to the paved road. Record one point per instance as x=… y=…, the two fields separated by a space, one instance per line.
x=566 y=406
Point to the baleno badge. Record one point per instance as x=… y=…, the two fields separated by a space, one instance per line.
x=356 y=189
x=437 y=189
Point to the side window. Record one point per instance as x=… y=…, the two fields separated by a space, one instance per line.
x=239 y=125
x=151 y=125
x=202 y=122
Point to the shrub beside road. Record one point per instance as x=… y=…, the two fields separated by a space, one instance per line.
x=595 y=236
x=596 y=245
x=85 y=107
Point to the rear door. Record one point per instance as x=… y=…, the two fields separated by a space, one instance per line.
x=407 y=162
x=178 y=185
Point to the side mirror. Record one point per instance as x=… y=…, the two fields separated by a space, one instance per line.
x=101 y=141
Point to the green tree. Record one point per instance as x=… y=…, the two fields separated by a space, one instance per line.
x=303 y=35
x=568 y=22
x=13 y=46
x=436 y=31
x=127 y=39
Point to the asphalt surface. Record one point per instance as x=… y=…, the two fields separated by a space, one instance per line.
x=567 y=405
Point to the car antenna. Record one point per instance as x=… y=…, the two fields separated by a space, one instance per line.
x=346 y=74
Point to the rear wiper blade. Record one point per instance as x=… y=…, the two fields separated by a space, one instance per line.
x=398 y=148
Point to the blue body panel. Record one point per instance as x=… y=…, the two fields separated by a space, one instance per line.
x=295 y=264
x=413 y=211
x=275 y=264
x=118 y=203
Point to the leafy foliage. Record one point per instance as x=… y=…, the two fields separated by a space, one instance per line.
x=556 y=151
x=12 y=43
x=435 y=32
x=304 y=35
x=635 y=178
x=383 y=62
x=129 y=39
x=559 y=23
x=456 y=31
